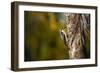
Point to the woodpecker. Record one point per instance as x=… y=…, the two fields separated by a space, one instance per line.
x=63 y=36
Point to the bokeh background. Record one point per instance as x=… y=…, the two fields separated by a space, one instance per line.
x=42 y=36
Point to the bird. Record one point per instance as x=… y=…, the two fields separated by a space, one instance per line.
x=63 y=36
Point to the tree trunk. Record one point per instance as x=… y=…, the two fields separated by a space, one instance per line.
x=75 y=24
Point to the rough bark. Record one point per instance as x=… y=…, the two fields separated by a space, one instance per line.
x=76 y=25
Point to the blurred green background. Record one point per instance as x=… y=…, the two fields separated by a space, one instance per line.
x=42 y=37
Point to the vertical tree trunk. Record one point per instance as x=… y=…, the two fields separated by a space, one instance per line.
x=74 y=36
